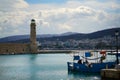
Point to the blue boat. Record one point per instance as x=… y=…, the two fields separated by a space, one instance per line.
x=93 y=65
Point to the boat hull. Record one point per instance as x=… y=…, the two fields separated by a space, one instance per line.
x=94 y=67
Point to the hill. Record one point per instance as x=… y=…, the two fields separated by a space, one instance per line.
x=61 y=37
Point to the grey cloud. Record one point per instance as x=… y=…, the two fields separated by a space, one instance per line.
x=11 y=5
x=77 y=17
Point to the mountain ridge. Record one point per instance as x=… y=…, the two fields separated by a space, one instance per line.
x=62 y=37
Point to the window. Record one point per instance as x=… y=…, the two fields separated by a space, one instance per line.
x=7 y=50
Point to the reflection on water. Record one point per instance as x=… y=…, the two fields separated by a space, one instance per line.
x=39 y=67
x=84 y=76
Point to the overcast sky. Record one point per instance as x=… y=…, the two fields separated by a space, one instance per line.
x=58 y=16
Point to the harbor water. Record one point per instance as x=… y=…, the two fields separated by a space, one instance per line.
x=39 y=67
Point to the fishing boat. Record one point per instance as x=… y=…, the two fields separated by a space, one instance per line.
x=114 y=53
x=88 y=62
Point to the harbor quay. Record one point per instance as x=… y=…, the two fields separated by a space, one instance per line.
x=70 y=51
x=110 y=74
x=45 y=52
x=57 y=52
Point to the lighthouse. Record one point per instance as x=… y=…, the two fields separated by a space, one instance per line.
x=33 y=44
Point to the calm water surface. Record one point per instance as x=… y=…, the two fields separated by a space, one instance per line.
x=39 y=67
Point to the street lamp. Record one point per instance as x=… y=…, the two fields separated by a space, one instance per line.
x=116 y=35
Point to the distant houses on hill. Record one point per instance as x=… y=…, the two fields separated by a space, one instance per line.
x=104 y=39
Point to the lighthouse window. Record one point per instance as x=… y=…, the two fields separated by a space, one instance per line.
x=7 y=50
x=34 y=27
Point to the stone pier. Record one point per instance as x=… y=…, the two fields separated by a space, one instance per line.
x=110 y=74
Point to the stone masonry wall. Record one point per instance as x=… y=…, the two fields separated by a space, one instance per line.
x=12 y=48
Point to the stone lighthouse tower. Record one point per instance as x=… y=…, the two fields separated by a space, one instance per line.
x=33 y=44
